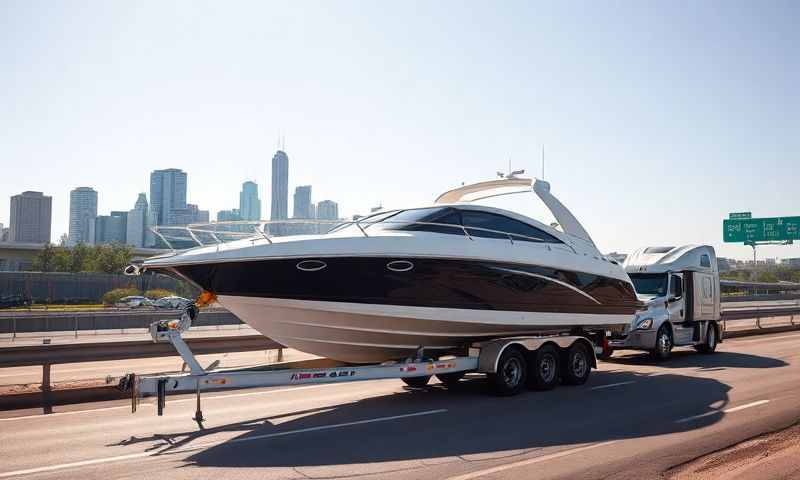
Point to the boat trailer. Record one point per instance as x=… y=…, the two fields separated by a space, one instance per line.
x=483 y=357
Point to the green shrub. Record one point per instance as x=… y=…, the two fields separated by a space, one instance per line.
x=114 y=296
x=157 y=293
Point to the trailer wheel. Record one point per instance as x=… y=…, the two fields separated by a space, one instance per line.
x=416 y=382
x=544 y=368
x=578 y=365
x=450 y=379
x=663 y=346
x=511 y=374
x=711 y=341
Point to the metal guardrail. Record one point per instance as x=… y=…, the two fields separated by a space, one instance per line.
x=47 y=355
x=32 y=355
x=759 y=312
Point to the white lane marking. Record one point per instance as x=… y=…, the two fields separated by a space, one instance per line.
x=600 y=387
x=530 y=461
x=182 y=400
x=729 y=410
x=167 y=450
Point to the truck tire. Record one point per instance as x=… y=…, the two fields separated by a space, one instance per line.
x=511 y=374
x=578 y=365
x=711 y=341
x=663 y=347
x=450 y=379
x=416 y=382
x=544 y=371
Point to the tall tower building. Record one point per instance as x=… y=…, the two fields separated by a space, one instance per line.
x=31 y=215
x=302 y=202
x=138 y=224
x=280 y=186
x=167 y=192
x=82 y=215
x=327 y=210
x=249 y=203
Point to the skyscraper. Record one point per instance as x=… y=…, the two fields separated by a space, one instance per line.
x=249 y=203
x=111 y=228
x=138 y=224
x=82 y=214
x=30 y=218
x=232 y=215
x=327 y=210
x=185 y=216
x=280 y=186
x=302 y=202
x=167 y=192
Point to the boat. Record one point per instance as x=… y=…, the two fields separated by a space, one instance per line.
x=437 y=277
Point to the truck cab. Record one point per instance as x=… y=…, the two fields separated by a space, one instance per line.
x=680 y=292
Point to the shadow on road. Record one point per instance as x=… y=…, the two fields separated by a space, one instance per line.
x=690 y=358
x=474 y=424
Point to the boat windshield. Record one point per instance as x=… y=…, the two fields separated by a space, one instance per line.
x=650 y=283
x=434 y=219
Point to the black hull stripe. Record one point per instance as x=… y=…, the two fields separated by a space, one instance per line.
x=443 y=283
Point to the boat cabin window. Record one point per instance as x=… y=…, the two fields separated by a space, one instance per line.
x=475 y=220
x=650 y=283
x=418 y=220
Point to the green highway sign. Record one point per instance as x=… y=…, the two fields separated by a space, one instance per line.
x=740 y=215
x=749 y=230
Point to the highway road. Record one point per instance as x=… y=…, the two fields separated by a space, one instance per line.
x=634 y=419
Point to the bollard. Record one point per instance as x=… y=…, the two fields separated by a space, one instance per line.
x=13 y=328
x=47 y=398
x=76 y=326
x=280 y=354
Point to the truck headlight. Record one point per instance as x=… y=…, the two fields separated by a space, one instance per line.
x=644 y=324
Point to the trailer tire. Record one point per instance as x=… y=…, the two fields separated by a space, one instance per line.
x=416 y=382
x=663 y=347
x=450 y=379
x=578 y=365
x=544 y=368
x=711 y=341
x=511 y=374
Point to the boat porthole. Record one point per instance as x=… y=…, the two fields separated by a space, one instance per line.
x=400 y=265
x=311 y=265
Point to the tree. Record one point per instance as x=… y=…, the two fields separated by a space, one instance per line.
x=111 y=258
x=45 y=260
x=766 y=277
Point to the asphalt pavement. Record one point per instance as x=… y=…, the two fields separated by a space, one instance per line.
x=633 y=419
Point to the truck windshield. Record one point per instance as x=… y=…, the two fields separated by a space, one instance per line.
x=650 y=283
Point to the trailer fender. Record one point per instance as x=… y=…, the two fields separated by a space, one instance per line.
x=493 y=349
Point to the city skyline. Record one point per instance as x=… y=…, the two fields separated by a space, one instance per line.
x=401 y=118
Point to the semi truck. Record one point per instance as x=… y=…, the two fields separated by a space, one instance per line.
x=680 y=291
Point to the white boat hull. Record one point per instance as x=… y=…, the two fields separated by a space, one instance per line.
x=370 y=333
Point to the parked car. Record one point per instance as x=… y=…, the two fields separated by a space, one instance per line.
x=134 y=301
x=171 y=302
x=11 y=301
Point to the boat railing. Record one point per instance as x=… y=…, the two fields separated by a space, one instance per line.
x=181 y=237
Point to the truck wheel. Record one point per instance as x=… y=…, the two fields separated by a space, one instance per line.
x=511 y=374
x=578 y=365
x=663 y=346
x=544 y=368
x=711 y=341
x=416 y=382
x=450 y=379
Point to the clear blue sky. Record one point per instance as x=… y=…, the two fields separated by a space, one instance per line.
x=658 y=118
